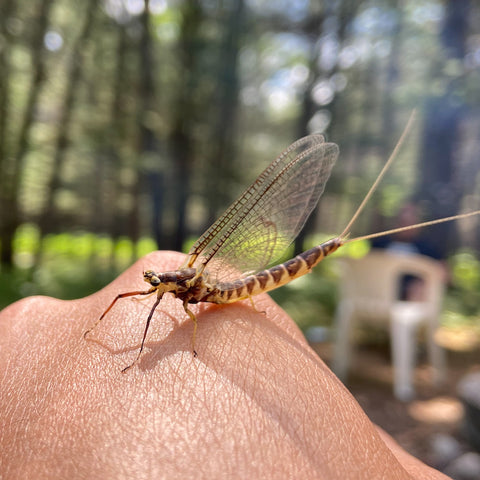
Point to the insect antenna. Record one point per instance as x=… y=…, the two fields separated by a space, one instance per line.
x=411 y=227
x=387 y=165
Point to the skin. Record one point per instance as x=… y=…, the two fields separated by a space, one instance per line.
x=256 y=402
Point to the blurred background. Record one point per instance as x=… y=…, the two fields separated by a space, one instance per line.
x=129 y=125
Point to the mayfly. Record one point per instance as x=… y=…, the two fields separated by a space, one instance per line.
x=228 y=262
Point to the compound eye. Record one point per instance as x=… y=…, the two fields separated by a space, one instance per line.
x=151 y=277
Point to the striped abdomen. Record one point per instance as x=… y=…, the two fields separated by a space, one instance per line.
x=266 y=280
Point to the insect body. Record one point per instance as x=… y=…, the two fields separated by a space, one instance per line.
x=254 y=231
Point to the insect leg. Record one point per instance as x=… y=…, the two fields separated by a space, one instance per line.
x=254 y=306
x=194 y=320
x=143 y=298
x=118 y=297
x=150 y=315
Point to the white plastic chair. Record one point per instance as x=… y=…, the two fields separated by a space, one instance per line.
x=369 y=292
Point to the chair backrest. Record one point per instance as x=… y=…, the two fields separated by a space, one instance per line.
x=371 y=283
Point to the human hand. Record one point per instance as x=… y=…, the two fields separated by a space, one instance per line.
x=256 y=403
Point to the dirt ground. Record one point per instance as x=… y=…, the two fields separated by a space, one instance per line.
x=421 y=425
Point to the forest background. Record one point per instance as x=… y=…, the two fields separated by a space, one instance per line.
x=129 y=125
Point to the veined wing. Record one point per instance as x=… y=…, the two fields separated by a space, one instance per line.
x=266 y=218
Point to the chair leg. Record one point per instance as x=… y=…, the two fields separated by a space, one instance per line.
x=436 y=353
x=341 y=358
x=404 y=323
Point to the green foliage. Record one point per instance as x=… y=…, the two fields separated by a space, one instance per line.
x=465 y=268
x=65 y=265
x=76 y=265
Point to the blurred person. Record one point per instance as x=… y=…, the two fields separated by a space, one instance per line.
x=409 y=242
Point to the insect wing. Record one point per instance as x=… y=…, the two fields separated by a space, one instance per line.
x=265 y=219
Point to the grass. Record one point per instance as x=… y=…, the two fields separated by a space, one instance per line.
x=65 y=265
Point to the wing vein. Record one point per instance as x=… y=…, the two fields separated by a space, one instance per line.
x=267 y=217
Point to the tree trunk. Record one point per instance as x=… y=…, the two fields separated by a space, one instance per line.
x=7 y=224
x=436 y=190
x=224 y=131
x=12 y=176
x=47 y=218
x=6 y=10
x=147 y=144
x=308 y=110
x=181 y=138
x=117 y=134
